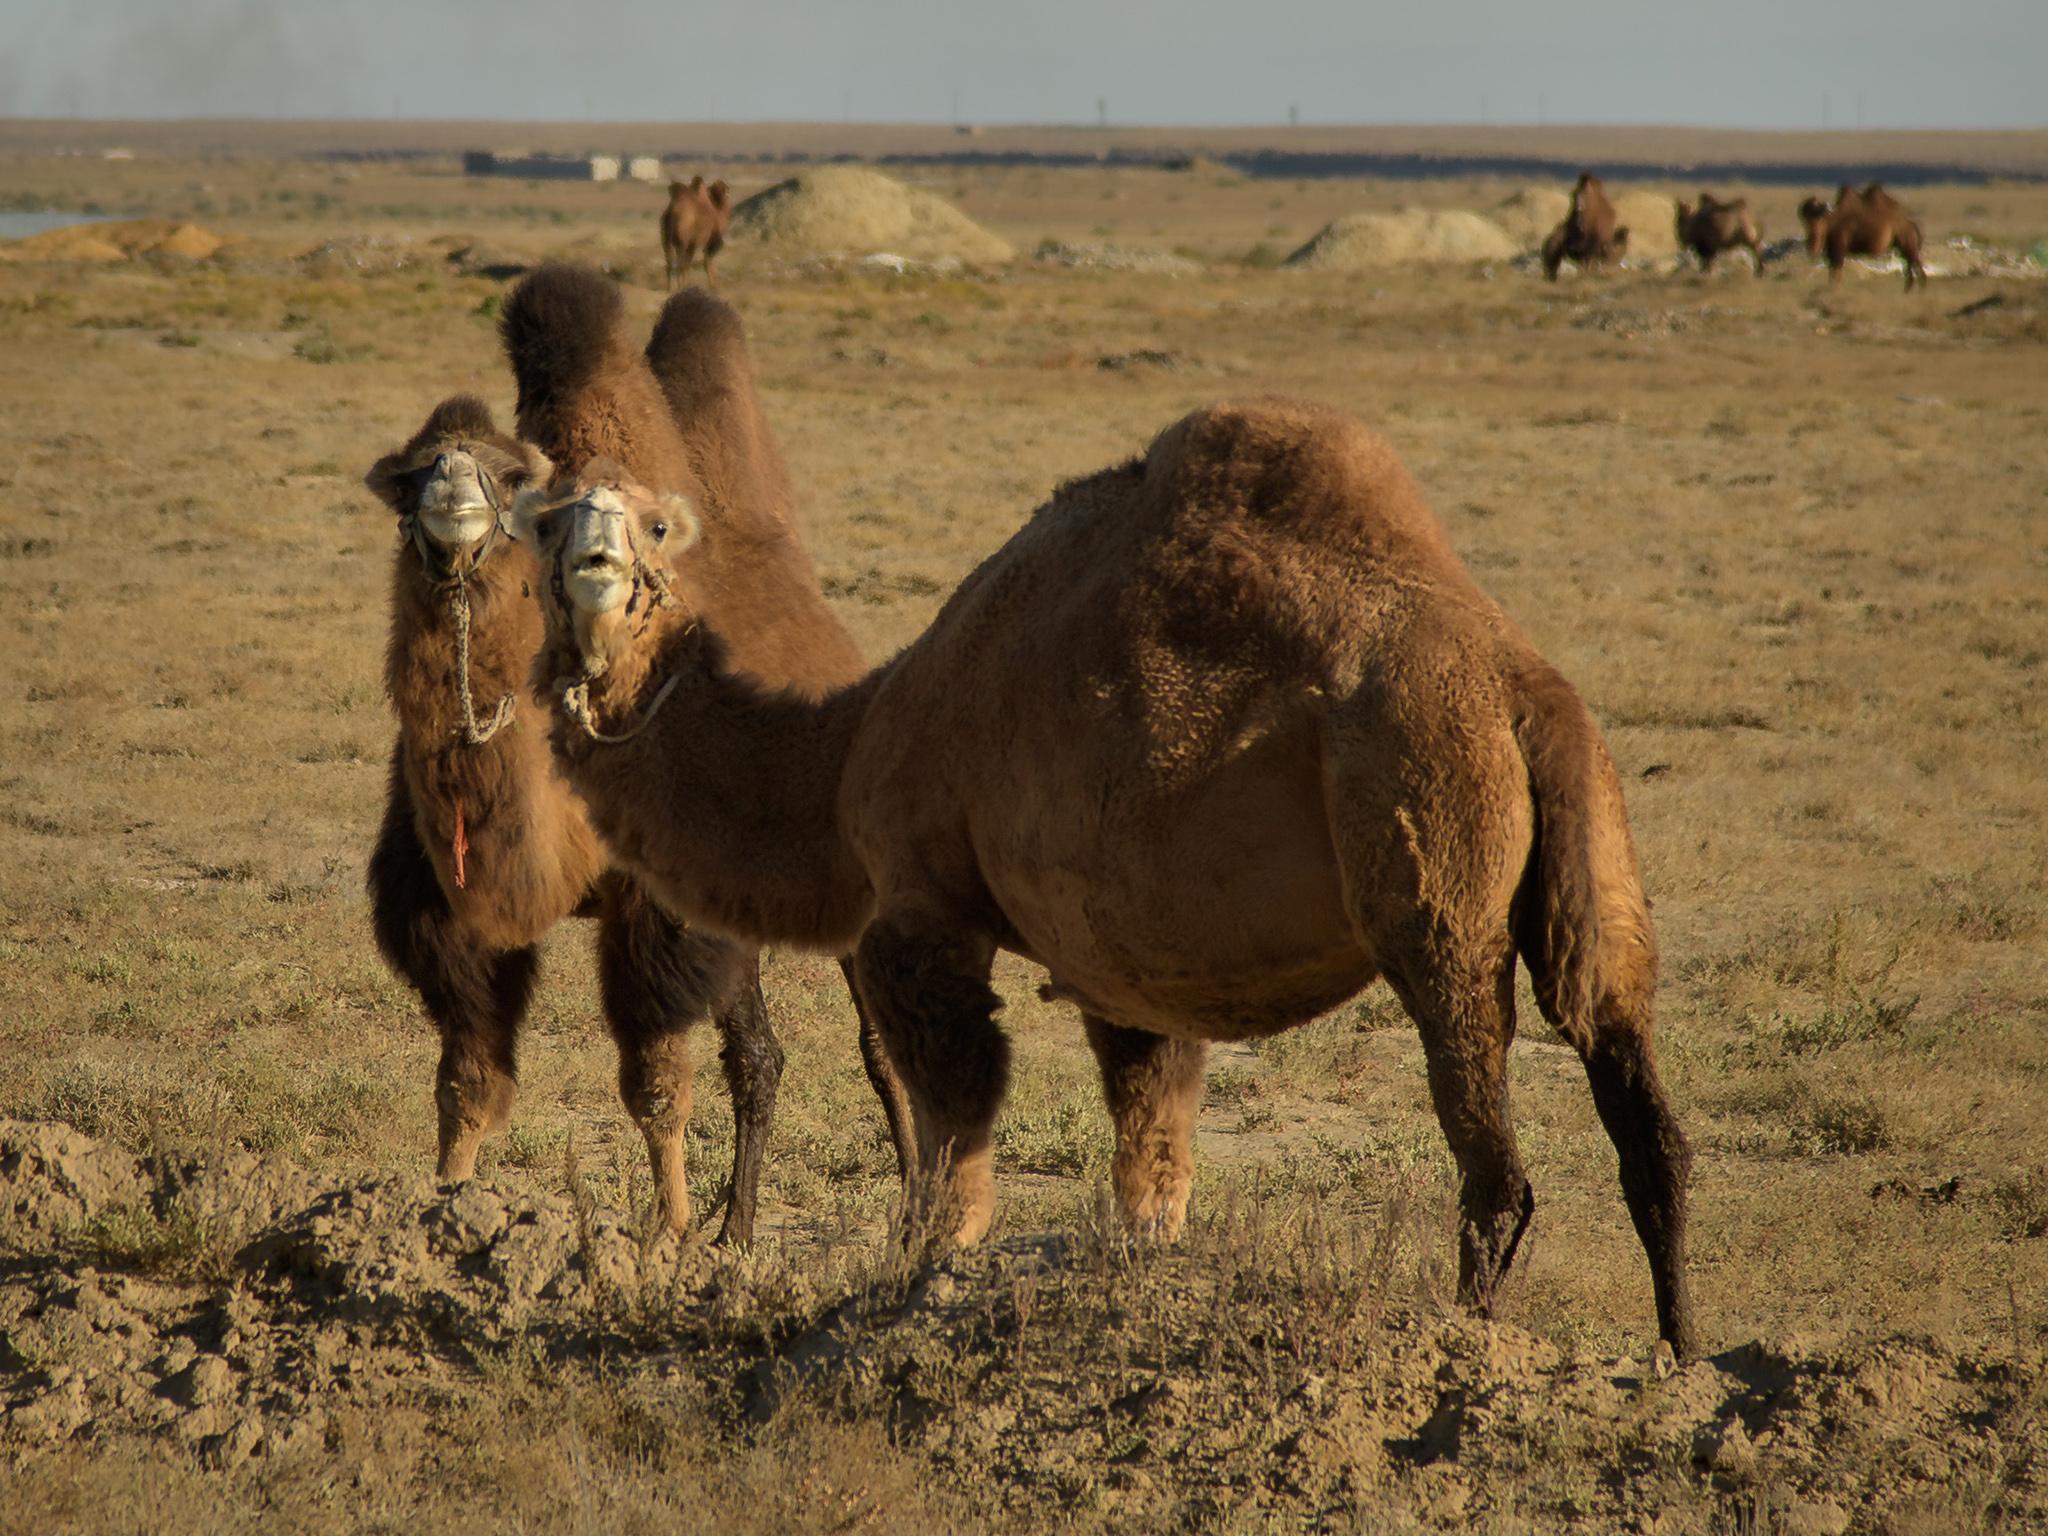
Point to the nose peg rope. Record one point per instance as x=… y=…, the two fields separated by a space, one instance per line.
x=576 y=705
x=472 y=734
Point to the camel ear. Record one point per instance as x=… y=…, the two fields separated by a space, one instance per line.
x=523 y=518
x=678 y=517
x=395 y=481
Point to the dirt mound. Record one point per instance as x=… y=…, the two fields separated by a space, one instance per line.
x=1408 y=236
x=1652 y=221
x=188 y=241
x=1269 y=1369
x=1530 y=214
x=118 y=240
x=851 y=211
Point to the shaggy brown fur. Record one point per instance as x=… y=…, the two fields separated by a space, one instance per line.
x=686 y=417
x=1590 y=234
x=1867 y=223
x=484 y=848
x=1712 y=226
x=1219 y=737
x=695 y=220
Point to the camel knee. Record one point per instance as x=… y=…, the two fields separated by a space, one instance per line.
x=935 y=1013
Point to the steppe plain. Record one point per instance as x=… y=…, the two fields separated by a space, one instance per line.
x=1791 y=543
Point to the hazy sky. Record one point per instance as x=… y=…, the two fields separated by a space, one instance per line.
x=1738 y=63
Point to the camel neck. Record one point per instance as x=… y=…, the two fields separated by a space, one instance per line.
x=724 y=795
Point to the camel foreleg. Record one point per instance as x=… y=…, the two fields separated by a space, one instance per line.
x=882 y=1076
x=476 y=996
x=658 y=979
x=926 y=984
x=1153 y=1085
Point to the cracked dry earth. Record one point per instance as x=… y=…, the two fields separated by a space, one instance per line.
x=227 y=1308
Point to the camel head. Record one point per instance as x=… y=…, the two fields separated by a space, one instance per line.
x=454 y=483
x=1813 y=213
x=605 y=544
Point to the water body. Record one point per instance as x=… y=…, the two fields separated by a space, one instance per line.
x=15 y=226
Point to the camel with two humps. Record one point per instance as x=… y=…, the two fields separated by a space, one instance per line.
x=1222 y=735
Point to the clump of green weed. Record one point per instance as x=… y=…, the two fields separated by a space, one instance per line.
x=170 y=1242
x=1840 y=1124
x=321 y=347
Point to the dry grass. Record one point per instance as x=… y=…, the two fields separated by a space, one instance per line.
x=1785 y=540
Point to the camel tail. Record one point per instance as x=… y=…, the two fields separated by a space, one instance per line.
x=1581 y=923
x=561 y=326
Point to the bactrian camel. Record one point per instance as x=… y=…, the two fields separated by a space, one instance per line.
x=485 y=847
x=1221 y=735
x=695 y=219
x=1867 y=223
x=1710 y=226
x=687 y=413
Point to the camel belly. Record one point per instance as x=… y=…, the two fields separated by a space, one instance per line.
x=1213 y=912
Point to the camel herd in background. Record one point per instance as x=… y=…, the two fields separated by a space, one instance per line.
x=1865 y=222
x=1869 y=222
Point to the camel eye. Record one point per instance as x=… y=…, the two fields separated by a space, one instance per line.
x=543 y=529
x=660 y=532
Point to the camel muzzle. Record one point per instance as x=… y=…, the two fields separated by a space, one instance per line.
x=456 y=508
x=596 y=557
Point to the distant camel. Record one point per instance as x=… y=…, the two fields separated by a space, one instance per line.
x=1714 y=226
x=1867 y=223
x=1221 y=735
x=1591 y=234
x=485 y=848
x=694 y=220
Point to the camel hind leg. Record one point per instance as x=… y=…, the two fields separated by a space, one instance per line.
x=475 y=995
x=1464 y=1006
x=1907 y=243
x=658 y=979
x=1153 y=1084
x=925 y=981
x=1419 y=820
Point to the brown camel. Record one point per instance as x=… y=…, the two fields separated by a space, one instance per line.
x=1867 y=223
x=687 y=413
x=694 y=220
x=484 y=846
x=1712 y=226
x=1590 y=235
x=1219 y=737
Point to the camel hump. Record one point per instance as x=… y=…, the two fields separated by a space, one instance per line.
x=695 y=327
x=562 y=328
x=1581 y=922
x=1266 y=454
